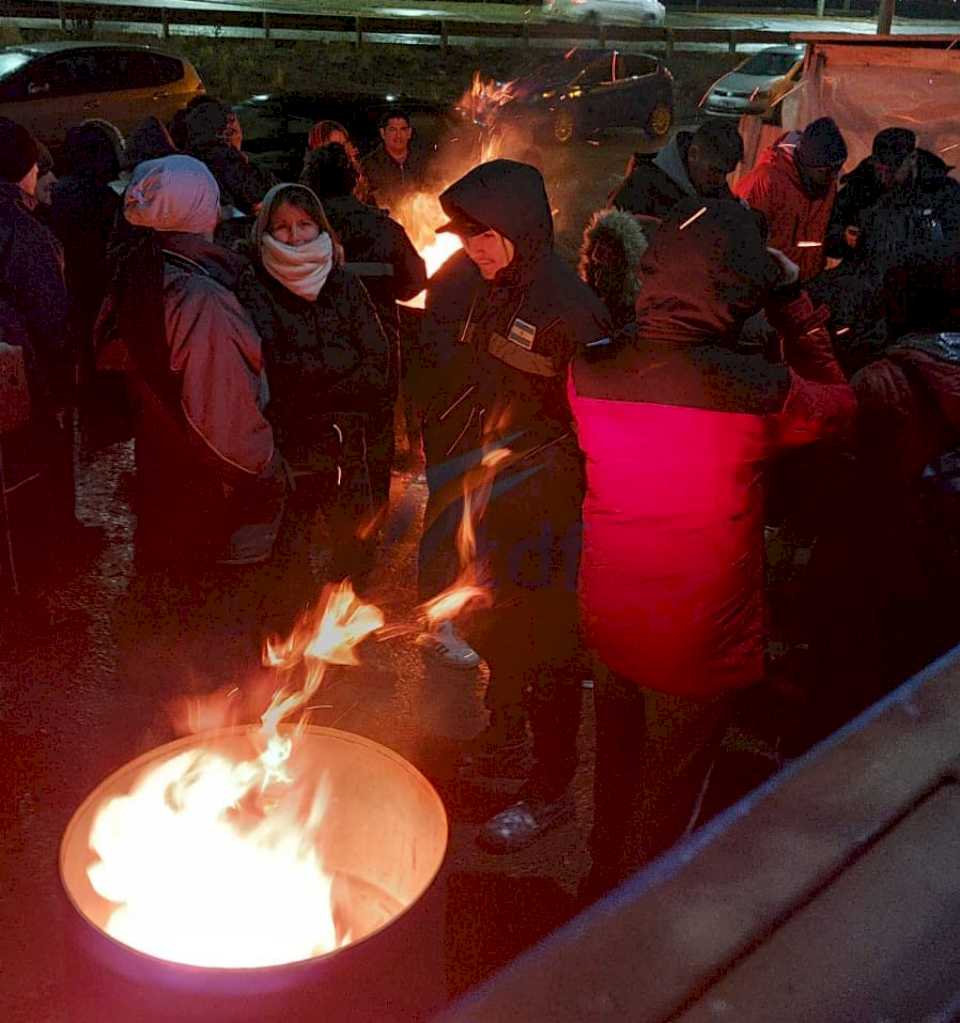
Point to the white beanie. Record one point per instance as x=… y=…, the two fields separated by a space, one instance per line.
x=174 y=193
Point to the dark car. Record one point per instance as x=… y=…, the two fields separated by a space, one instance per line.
x=48 y=87
x=587 y=91
x=276 y=125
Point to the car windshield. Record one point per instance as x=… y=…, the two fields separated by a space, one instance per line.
x=767 y=65
x=12 y=62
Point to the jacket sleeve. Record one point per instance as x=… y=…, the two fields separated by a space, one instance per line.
x=366 y=380
x=245 y=181
x=820 y=404
x=762 y=192
x=409 y=269
x=34 y=275
x=215 y=347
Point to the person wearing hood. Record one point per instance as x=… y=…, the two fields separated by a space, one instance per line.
x=327 y=361
x=677 y=428
x=613 y=245
x=33 y=318
x=210 y=480
x=379 y=252
x=794 y=185
x=503 y=319
x=690 y=164
x=214 y=136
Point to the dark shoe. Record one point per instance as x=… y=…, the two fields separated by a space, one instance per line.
x=522 y=823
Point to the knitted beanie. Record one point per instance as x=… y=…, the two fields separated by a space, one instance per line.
x=821 y=144
x=18 y=150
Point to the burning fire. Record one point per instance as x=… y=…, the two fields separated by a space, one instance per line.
x=421 y=214
x=215 y=862
x=484 y=98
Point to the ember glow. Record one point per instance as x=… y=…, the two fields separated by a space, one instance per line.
x=216 y=862
x=421 y=214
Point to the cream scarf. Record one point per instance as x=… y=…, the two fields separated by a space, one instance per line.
x=302 y=269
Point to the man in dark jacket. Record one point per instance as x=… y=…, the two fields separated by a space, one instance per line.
x=691 y=164
x=503 y=319
x=397 y=167
x=677 y=427
x=33 y=316
x=893 y=155
x=214 y=137
x=379 y=252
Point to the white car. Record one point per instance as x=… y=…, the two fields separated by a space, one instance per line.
x=624 y=12
x=756 y=85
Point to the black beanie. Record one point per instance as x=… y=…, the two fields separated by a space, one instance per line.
x=18 y=150
x=893 y=145
x=821 y=144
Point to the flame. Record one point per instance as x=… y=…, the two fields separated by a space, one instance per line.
x=421 y=214
x=484 y=98
x=470 y=586
x=216 y=862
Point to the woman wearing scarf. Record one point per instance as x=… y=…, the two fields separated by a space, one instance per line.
x=326 y=357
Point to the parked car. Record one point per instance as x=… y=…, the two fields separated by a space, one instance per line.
x=276 y=125
x=589 y=90
x=636 y=12
x=755 y=86
x=48 y=87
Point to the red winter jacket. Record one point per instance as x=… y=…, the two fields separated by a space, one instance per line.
x=797 y=223
x=677 y=430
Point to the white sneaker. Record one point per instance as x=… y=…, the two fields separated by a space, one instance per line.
x=444 y=643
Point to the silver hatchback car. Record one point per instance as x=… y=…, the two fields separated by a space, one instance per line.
x=757 y=85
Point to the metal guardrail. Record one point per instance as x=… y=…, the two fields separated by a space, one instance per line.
x=361 y=27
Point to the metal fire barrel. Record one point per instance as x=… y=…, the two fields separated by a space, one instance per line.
x=384 y=840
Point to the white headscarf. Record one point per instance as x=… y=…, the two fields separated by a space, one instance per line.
x=174 y=193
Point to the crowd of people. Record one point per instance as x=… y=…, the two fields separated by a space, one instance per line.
x=726 y=366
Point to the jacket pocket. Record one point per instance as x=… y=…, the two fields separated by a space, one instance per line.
x=519 y=358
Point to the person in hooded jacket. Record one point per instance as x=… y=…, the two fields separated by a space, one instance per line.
x=677 y=427
x=503 y=319
x=210 y=480
x=690 y=164
x=794 y=185
x=613 y=245
x=379 y=252
x=327 y=362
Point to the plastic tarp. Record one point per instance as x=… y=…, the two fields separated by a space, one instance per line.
x=868 y=88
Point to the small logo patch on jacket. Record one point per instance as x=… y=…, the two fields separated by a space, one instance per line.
x=522 y=334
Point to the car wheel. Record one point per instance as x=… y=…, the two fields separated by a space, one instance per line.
x=660 y=121
x=564 y=126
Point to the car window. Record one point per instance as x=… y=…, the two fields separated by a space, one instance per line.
x=142 y=70
x=11 y=63
x=75 y=72
x=635 y=65
x=767 y=65
x=167 y=69
x=14 y=68
x=597 y=72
